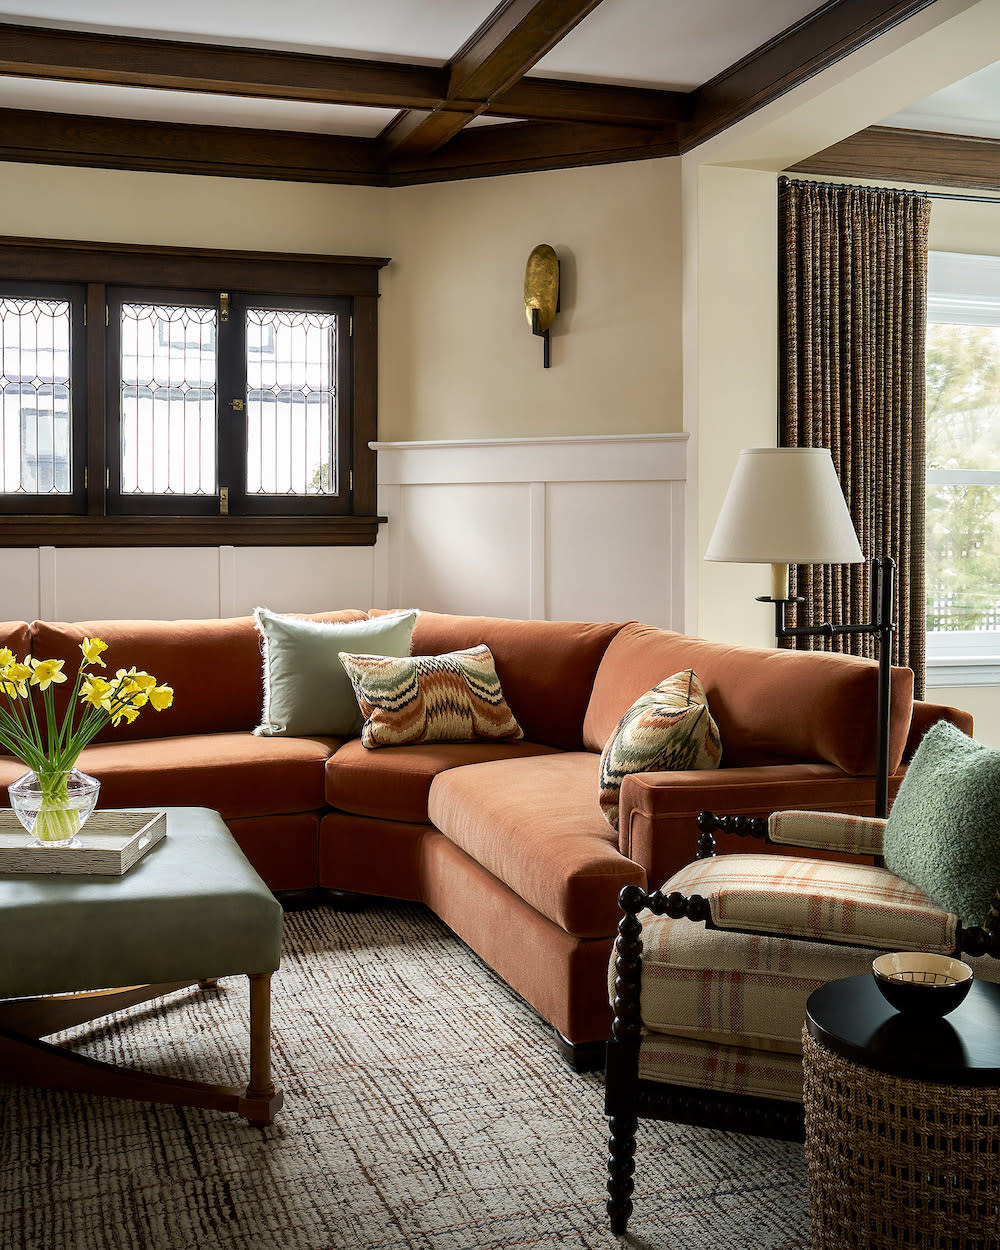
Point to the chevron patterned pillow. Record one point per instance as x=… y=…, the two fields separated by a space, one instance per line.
x=669 y=728
x=430 y=698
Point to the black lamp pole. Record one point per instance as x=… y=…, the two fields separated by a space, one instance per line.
x=884 y=627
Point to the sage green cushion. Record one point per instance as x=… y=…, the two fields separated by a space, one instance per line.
x=191 y=907
x=306 y=690
x=943 y=832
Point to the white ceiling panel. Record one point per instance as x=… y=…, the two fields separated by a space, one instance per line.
x=969 y=107
x=672 y=44
x=189 y=107
x=427 y=31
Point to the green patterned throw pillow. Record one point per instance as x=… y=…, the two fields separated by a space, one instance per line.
x=668 y=729
x=943 y=832
x=455 y=697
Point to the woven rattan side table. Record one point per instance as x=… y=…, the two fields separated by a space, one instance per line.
x=902 y=1121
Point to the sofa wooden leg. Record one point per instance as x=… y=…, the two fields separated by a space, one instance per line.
x=344 y=900
x=297 y=900
x=581 y=1056
x=621 y=1166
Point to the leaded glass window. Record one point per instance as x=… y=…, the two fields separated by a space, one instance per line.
x=35 y=396
x=291 y=423
x=168 y=382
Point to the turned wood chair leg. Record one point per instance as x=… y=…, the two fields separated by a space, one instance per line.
x=621 y=1166
x=261 y=1101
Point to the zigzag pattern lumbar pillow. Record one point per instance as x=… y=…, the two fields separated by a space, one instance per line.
x=669 y=728
x=454 y=697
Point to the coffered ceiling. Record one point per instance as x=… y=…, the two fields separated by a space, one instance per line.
x=389 y=92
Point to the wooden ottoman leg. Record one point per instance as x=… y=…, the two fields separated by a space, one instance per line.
x=262 y=1101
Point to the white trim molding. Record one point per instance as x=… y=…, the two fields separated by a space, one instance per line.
x=585 y=528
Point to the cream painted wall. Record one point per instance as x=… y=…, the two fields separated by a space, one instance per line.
x=456 y=355
x=736 y=400
x=461 y=361
x=60 y=202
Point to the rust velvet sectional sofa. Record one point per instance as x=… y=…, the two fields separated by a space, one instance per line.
x=506 y=842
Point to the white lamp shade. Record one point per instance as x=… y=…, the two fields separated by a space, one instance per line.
x=784 y=506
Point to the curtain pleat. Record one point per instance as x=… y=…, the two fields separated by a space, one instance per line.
x=853 y=307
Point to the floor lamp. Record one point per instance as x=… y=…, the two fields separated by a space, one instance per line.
x=785 y=506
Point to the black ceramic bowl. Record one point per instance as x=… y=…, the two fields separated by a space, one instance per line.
x=922 y=985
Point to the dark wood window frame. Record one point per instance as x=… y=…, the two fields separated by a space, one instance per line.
x=98 y=266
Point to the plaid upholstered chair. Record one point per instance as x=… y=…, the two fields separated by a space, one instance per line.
x=708 y=1016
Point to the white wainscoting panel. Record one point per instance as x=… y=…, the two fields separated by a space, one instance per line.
x=606 y=548
x=588 y=528
x=299 y=579
x=19 y=577
x=173 y=583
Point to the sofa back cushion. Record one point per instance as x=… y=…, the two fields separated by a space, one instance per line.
x=546 y=668
x=214 y=666
x=17 y=636
x=771 y=706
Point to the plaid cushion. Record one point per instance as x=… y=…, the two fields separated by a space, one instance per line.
x=734 y=988
x=828 y=831
x=853 y=903
x=734 y=1069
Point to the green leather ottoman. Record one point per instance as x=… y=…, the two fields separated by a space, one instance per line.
x=190 y=911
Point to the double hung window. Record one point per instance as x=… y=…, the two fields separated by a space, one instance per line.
x=963 y=470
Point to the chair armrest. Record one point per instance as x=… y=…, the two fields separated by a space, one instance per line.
x=926 y=714
x=827 y=831
x=658 y=811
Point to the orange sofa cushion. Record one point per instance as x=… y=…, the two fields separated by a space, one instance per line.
x=236 y=773
x=17 y=636
x=771 y=706
x=536 y=826
x=546 y=668
x=214 y=666
x=393 y=783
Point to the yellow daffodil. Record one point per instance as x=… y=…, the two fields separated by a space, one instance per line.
x=45 y=673
x=97 y=692
x=92 y=648
x=139 y=680
x=161 y=697
x=49 y=740
x=16 y=677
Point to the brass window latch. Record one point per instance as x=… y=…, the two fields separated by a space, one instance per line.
x=224 y=500
x=237 y=405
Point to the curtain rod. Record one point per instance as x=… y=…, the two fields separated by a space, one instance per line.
x=785 y=181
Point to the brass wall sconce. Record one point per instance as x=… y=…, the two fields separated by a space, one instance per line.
x=541 y=293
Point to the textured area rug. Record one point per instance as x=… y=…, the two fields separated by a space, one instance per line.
x=425 y=1106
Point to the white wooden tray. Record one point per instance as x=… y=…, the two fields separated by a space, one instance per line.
x=112 y=842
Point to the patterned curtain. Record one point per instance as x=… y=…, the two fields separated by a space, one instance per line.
x=853 y=312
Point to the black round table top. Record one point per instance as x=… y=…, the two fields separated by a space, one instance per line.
x=851 y=1018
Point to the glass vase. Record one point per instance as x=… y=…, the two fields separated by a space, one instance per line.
x=54 y=806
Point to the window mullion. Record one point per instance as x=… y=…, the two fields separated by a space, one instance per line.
x=232 y=401
x=94 y=412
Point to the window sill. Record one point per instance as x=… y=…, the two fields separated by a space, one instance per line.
x=193 y=531
x=969 y=670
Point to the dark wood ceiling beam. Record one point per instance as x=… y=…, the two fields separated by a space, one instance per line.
x=811 y=45
x=557 y=100
x=921 y=156
x=114 y=143
x=485 y=151
x=514 y=37
x=76 y=57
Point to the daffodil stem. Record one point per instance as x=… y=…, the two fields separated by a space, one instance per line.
x=56 y=820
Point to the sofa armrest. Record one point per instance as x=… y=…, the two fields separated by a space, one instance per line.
x=658 y=811
x=927 y=714
x=827 y=831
